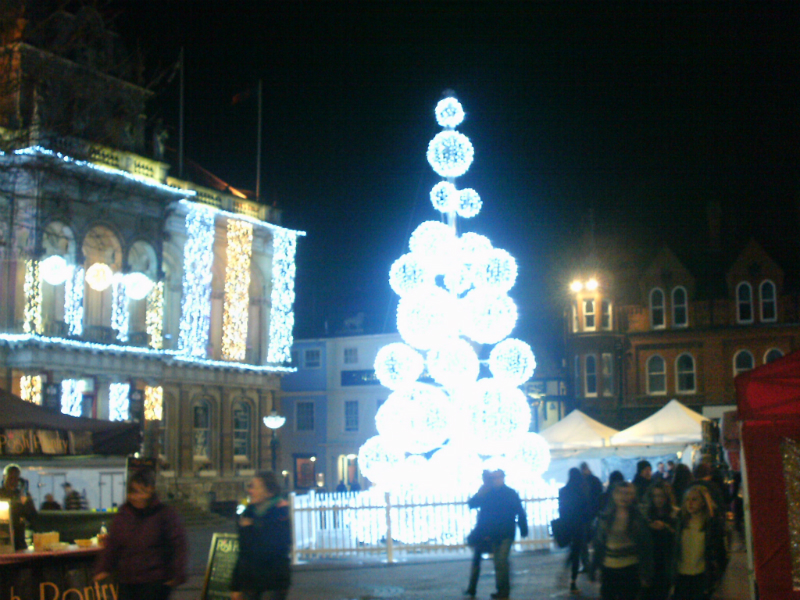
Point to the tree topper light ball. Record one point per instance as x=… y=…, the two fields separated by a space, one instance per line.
x=442 y=421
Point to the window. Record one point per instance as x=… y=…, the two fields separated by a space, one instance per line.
x=743 y=361
x=574 y=316
x=608 y=374
x=744 y=303
x=312 y=359
x=305 y=416
x=769 y=311
x=350 y=356
x=657 y=309
x=656 y=375
x=684 y=367
x=680 y=314
x=588 y=314
x=591 y=375
x=772 y=355
x=351 y=415
x=577 y=373
x=241 y=432
x=202 y=431
x=605 y=314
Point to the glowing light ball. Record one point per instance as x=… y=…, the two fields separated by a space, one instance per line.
x=54 y=270
x=512 y=360
x=474 y=244
x=445 y=197
x=469 y=203
x=137 y=285
x=457 y=468
x=450 y=154
x=378 y=461
x=533 y=452
x=412 y=474
x=426 y=316
x=415 y=418
x=436 y=242
x=453 y=363
x=489 y=316
x=449 y=113
x=494 y=415
x=498 y=270
x=408 y=273
x=398 y=365
x=458 y=278
x=99 y=276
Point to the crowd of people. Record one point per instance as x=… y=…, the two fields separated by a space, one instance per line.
x=659 y=536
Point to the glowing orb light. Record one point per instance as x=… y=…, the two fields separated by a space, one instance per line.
x=453 y=363
x=53 y=270
x=415 y=418
x=512 y=360
x=457 y=469
x=99 y=276
x=449 y=113
x=458 y=278
x=474 y=244
x=445 y=197
x=378 y=461
x=137 y=285
x=533 y=452
x=469 y=203
x=436 y=242
x=450 y=154
x=398 y=365
x=408 y=273
x=498 y=270
x=489 y=316
x=494 y=415
x=427 y=316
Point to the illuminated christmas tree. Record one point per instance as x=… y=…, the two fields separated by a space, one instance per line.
x=453 y=290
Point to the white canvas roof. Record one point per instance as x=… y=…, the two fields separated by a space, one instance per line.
x=673 y=424
x=577 y=430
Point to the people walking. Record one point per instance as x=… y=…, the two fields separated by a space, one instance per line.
x=623 y=546
x=22 y=511
x=574 y=509
x=605 y=499
x=594 y=490
x=643 y=478
x=262 y=569
x=661 y=514
x=146 y=544
x=681 y=481
x=501 y=511
x=478 y=539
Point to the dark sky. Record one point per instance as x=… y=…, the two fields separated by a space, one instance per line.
x=643 y=111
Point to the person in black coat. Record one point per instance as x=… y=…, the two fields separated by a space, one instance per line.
x=661 y=514
x=575 y=511
x=262 y=569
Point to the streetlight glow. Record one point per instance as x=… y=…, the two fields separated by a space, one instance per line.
x=592 y=284
x=576 y=286
x=274 y=421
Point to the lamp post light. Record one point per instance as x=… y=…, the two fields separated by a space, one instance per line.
x=274 y=421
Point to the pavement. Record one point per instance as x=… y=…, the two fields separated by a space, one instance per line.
x=535 y=574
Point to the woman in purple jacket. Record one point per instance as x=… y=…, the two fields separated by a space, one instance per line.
x=146 y=544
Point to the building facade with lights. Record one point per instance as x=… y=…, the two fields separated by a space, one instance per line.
x=126 y=293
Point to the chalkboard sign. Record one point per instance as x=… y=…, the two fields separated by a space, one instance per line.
x=222 y=558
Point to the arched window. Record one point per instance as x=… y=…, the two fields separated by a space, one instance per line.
x=100 y=247
x=202 y=430
x=591 y=375
x=241 y=431
x=772 y=355
x=656 y=375
x=657 y=309
x=589 y=314
x=743 y=361
x=769 y=303
x=684 y=367
x=744 y=303
x=680 y=312
x=605 y=315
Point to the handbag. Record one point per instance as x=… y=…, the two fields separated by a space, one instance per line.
x=561 y=532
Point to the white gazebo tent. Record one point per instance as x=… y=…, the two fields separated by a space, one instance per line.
x=674 y=424
x=577 y=430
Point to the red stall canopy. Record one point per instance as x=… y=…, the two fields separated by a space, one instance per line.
x=769 y=407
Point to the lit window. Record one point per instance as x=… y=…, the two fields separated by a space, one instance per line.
x=605 y=314
x=743 y=361
x=588 y=314
x=202 y=430
x=591 y=375
x=241 y=432
x=769 y=310
x=608 y=374
x=684 y=367
x=312 y=359
x=744 y=303
x=305 y=416
x=680 y=314
x=656 y=375
x=577 y=373
x=657 y=309
x=351 y=415
x=350 y=356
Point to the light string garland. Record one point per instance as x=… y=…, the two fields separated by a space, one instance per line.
x=30 y=388
x=198 y=255
x=73 y=301
x=72 y=397
x=281 y=321
x=119 y=401
x=119 y=308
x=237 y=290
x=32 y=288
x=154 y=316
x=153 y=403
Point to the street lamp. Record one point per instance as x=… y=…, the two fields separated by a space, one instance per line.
x=274 y=421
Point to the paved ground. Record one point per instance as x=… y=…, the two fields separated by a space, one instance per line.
x=433 y=577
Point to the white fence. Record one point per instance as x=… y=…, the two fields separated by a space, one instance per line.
x=369 y=523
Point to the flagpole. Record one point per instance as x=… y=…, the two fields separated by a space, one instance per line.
x=180 y=124
x=258 y=147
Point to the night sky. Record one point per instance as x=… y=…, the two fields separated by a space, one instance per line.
x=640 y=111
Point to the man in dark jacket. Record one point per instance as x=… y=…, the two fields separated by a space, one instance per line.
x=643 y=478
x=501 y=512
x=21 y=506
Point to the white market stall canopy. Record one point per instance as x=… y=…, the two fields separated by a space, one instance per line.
x=673 y=424
x=577 y=430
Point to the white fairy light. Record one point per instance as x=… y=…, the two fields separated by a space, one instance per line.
x=32 y=288
x=489 y=315
x=449 y=113
x=512 y=360
x=378 y=460
x=153 y=403
x=457 y=468
x=433 y=240
x=498 y=270
x=450 y=154
x=415 y=418
x=453 y=363
x=409 y=273
x=154 y=316
x=281 y=318
x=469 y=203
x=474 y=244
x=119 y=401
x=99 y=276
x=73 y=301
x=235 y=314
x=198 y=255
x=54 y=269
x=458 y=277
x=426 y=316
x=119 y=308
x=398 y=365
x=72 y=397
x=533 y=452
x=137 y=285
x=30 y=388
x=445 y=197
